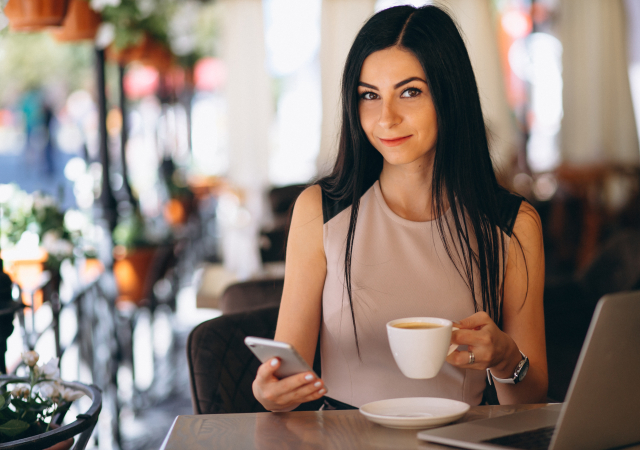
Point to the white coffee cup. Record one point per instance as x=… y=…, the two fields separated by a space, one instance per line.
x=420 y=352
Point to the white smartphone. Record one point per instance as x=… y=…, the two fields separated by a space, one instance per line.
x=291 y=362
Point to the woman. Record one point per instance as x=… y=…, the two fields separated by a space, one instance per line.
x=411 y=222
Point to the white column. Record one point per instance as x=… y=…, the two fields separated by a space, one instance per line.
x=598 y=123
x=479 y=30
x=341 y=21
x=250 y=116
x=248 y=92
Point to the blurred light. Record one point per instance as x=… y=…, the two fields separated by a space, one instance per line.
x=117 y=181
x=538 y=60
x=79 y=104
x=140 y=81
x=105 y=35
x=75 y=220
x=114 y=121
x=545 y=187
x=209 y=74
x=75 y=168
x=516 y=23
x=522 y=183
x=6 y=192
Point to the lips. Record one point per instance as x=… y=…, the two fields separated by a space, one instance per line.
x=395 y=142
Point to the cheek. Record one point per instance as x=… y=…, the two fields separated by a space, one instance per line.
x=367 y=119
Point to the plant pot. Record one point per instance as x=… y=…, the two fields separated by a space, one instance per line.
x=33 y=15
x=131 y=270
x=127 y=55
x=59 y=438
x=176 y=211
x=80 y=23
x=26 y=271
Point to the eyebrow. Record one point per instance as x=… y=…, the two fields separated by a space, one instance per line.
x=396 y=86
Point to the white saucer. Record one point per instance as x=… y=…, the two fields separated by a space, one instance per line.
x=414 y=412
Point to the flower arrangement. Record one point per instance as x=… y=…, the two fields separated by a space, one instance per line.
x=32 y=220
x=27 y=409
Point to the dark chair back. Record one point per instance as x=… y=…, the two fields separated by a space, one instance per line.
x=222 y=368
x=251 y=295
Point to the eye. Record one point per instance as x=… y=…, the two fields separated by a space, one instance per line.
x=411 y=92
x=369 y=95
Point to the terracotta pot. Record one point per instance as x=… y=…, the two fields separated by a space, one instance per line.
x=157 y=55
x=81 y=22
x=33 y=15
x=26 y=271
x=126 y=55
x=132 y=269
x=91 y=270
x=176 y=211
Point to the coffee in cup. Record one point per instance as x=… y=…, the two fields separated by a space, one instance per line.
x=420 y=344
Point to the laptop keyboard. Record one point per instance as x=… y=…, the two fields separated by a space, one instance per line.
x=531 y=440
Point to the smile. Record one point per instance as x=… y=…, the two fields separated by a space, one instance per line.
x=395 y=142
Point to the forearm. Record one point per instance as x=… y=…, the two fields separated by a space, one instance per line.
x=533 y=389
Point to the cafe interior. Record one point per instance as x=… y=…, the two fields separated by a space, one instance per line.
x=151 y=152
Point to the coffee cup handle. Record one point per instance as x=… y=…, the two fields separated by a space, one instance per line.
x=453 y=347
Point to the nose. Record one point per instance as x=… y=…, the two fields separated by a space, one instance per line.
x=389 y=115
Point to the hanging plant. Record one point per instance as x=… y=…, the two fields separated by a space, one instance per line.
x=34 y=15
x=80 y=23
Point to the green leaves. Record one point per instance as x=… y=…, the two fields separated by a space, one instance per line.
x=13 y=427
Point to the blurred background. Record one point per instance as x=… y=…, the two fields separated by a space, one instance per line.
x=151 y=150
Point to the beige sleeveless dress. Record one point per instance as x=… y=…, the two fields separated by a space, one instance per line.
x=399 y=269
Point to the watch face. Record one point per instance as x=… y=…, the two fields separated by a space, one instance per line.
x=523 y=371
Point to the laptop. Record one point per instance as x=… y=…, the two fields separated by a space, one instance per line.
x=602 y=406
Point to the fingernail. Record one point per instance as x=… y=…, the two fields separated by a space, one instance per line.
x=274 y=362
x=321 y=391
x=309 y=377
x=318 y=384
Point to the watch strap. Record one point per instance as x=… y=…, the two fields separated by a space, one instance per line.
x=516 y=372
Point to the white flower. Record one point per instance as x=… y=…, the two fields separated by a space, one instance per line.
x=50 y=370
x=69 y=394
x=21 y=390
x=50 y=390
x=30 y=358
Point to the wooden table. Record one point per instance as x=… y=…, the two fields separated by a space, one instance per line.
x=304 y=430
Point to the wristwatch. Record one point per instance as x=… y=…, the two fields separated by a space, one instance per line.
x=518 y=374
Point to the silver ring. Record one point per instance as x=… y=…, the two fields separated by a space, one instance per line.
x=472 y=357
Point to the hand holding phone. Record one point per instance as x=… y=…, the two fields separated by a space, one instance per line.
x=291 y=362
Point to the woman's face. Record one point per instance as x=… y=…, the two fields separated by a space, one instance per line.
x=396 y=110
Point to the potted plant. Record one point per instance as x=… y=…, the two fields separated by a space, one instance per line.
x=136 y=244
x=33 y=407
x=81 y=22
x=34 y=238
x=34 y=15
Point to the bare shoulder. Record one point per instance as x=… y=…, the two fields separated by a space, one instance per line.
x=308 y=207
x=528 y=225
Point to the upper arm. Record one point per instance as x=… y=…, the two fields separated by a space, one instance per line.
x=305 y=272
x=522 y=309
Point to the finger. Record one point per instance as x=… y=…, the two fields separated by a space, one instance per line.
x=468 y=337
x=296 y=389
x=476 y=320
x=316 y=389
x=285 y=388
x=313 y=396
x=266 y=370
x=461 y=359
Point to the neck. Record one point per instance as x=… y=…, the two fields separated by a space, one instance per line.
x=407 y=189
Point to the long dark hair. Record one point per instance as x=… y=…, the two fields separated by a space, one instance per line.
x=463 y=174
